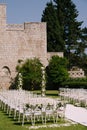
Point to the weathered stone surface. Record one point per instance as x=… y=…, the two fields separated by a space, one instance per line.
x=19 y=41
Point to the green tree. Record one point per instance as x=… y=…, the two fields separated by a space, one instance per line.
x=57 y=72
x=31 y=73
x=79 y=58
x=55 y=40
x=61 y=17
x=67 y=14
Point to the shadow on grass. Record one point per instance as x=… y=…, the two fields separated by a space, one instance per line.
x=51 y=95
x=17 y=123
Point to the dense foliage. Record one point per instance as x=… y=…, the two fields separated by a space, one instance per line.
x=54 y=34
x=31 y=74
x=56 y=72
x=75 y=83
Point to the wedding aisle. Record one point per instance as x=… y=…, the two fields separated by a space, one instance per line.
x=77 y=114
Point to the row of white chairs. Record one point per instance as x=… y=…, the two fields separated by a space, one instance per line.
x=77 y=95
x=28 y=106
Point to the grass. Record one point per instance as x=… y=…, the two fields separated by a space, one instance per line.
x=7 y=123
x=49 y=93
x=73 y=127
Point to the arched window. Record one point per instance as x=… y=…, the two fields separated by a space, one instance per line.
x=6 y=71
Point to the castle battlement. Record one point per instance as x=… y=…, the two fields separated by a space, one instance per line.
x=13 y=27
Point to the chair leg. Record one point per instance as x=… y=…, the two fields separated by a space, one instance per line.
x=23 y=119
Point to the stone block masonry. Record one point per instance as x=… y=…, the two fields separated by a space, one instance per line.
x=19 y=41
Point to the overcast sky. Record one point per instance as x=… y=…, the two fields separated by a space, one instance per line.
x=20 y=11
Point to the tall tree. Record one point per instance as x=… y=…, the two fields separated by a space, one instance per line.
x=67 y=14
x=55 y=40
x=62 y=25
x=80 y=57
x=57 y=72
x=61 y=17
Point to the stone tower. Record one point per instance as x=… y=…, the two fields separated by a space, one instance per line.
x=2 y=16
x=20 y=42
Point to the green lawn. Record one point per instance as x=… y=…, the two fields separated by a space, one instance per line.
x=49 y=93
x=74 y=127
x=7 y=123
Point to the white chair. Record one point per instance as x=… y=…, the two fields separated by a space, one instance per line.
x=49 y=113
x=28 y=114
x=60 y=111
x=38 y=114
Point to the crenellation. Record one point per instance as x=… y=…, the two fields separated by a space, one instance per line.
x=17 y=27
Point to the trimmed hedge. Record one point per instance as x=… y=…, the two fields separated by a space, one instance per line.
x=75 y=83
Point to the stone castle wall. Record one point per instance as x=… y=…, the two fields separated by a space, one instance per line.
x=19 y=41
